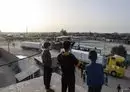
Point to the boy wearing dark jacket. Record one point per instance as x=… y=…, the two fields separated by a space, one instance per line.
x=47 y=64
x=67 y=62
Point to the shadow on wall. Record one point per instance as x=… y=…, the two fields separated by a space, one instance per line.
x=8 y=57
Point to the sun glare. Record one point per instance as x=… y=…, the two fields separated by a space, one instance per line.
x=16 y=15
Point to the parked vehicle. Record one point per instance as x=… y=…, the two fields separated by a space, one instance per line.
x=31 y=45
x=83 y=56
x=115 y=66
x=87 y=48
x=57 y=44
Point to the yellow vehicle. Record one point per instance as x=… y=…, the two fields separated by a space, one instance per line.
x=115 y=66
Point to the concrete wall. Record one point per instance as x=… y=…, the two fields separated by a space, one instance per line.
x=8 y=57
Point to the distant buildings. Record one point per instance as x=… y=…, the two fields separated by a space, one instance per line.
x=109 y=37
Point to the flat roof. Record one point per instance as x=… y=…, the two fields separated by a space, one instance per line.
x=24 y=74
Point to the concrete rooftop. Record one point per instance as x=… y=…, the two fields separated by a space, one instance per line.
x=36 y=85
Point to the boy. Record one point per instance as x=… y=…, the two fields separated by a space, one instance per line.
x=67 y=62
x=95 y=74
x=47 y=63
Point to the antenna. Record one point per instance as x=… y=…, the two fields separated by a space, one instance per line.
x=26 y=29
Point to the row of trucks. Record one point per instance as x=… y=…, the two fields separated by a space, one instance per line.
x=114 y=65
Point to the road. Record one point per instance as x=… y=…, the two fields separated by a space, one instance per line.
x=17 y=50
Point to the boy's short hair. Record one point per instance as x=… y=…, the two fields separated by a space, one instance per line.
x=46 y=45
x=93 y=55
x=66 y=45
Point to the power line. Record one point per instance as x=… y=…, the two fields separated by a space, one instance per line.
x=20 y=59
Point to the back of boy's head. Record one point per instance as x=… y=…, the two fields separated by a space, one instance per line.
x=66 y=45
x=93 y=55
x=46 y=45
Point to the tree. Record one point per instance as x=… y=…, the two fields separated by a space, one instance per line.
x=122 y=51
x=63 y=32
x=119 y=50
x=114 y=50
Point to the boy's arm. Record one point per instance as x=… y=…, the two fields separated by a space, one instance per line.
x=49 y=56
x=43 y=58
x=76 y=61
x=58 y=59
x=102 y=73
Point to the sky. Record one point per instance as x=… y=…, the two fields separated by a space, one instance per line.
x=71 y=15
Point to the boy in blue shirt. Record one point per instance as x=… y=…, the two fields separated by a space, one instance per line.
x=95 y=74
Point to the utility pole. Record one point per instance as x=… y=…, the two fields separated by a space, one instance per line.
x=26 y=29
x=8 y=46
x=8 y=41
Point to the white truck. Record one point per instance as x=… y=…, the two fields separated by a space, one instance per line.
x=83 y=56
x=31 y=45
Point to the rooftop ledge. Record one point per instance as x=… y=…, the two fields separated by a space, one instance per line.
x=37 y=85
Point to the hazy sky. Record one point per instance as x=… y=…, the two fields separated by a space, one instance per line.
x=72 y=15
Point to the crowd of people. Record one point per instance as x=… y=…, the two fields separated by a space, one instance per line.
x=68 y=62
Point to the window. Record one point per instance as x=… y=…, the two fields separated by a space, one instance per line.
x=120 y=64
x=76 y=47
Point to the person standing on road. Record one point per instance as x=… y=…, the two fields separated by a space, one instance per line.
x=47 y=64
x=95 y=74
x=118 y=88
x=67 y=62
